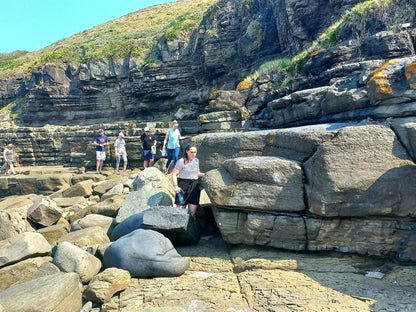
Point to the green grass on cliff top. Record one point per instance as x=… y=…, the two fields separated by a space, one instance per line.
x=134 y=34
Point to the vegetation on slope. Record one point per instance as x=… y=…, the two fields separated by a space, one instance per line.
x=134 y=34
x=389 y=13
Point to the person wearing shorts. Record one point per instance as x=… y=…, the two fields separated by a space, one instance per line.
x=100 y=143
x=185 y=178
x=148 y=142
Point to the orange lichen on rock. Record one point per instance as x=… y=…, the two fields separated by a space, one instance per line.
x=216 y=93
x=411 y=68
x=316 y=52
x=378 y=73
x=383 y=86
x=243 y=85
x=273 y=134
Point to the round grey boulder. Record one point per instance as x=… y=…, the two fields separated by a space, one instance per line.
x=145 y=253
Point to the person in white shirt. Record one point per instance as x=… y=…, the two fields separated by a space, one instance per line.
x=8 y=158
x=185 y=177
x=120 y=152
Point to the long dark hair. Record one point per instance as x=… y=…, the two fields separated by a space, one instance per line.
x=185 y=154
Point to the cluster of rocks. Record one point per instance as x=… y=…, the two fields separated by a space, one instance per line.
x=101 y=237
x=60 y=243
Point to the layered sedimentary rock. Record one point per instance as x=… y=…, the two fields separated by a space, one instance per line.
x=350 y=188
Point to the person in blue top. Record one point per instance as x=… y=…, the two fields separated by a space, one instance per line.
x=100 y=142
x=172 y=143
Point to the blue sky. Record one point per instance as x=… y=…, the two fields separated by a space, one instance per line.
x=31 y=25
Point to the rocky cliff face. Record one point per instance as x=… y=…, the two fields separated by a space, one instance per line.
x=233 y=39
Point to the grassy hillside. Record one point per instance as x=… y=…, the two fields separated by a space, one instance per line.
x=133 y=34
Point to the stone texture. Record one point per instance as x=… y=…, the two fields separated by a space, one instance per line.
x=14 y=221
x=174 y=223
x=150 y=188
x=89 y=237
x=58 y=292
x=21 y=272
x=108 y=207
x=363 y=171
x=54 y=232
x=257 y=183
x=106 y=223
x=83 y=188
x=44 y=211
x=104 y=285
x=70 y=258
x=23 y=246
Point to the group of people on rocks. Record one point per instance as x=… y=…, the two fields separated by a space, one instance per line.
x=185 y=173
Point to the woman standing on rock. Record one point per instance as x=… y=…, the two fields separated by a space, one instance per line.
x=172 y=140
x=8 y=158
x=185 y=179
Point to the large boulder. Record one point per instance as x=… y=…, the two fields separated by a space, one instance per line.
x=151 y=188
x=70 y=258
x=174 y=223
x=363 y=171
x=257 y=183
x=363 y=236
x=44 y=211
x=23 y=246
x=279 y=231
x=215 y=148
x=83 y=188
x=145 y=253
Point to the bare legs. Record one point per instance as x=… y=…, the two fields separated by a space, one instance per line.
x=192 y=208
x=99 y=165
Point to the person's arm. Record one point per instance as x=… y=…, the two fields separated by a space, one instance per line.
x=175 y=173
x=165 y=141
x=4 y=153
x=115 y=147
x=184 y=137
x=200 y=174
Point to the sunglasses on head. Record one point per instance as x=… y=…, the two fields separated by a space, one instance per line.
x=192 y=144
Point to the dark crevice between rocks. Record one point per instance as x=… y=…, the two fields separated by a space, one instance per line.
x=402 y=144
